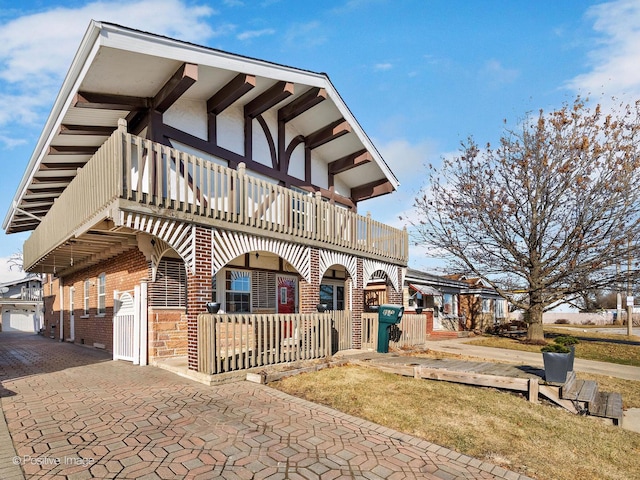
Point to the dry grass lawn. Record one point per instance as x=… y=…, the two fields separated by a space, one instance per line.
x=540 y=441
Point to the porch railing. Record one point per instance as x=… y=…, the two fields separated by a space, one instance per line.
x=237 y=342
x=163 y=178
x=411 y=331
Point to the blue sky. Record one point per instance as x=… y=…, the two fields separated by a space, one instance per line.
x=419 y=75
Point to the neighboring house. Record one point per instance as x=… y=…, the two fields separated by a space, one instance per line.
x=480 y=304
x=169 y=175
x=436 y=296
x=21 y=305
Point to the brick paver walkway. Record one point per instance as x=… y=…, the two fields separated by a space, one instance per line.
x=73 y=413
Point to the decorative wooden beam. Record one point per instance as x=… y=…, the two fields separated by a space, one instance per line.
x=268 y=99
x=234 y=159
x=46 y=165
x=41 y=191
x=270 y=142
x=286 y=156
x=230 y=93
x=179 y=83
x=361 y=157
x=86 y=130
x=300 y=105
x=370 y=190
x=103 y=101
x=330 y=194
x=326 y=134
x=72 y=150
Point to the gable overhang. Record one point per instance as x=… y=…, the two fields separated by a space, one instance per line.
x=117 y=69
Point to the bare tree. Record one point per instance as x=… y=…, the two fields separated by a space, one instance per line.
x=16 y=261
x=554 y=206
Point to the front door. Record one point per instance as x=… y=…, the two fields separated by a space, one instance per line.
x=287 y=293
x=286 y=301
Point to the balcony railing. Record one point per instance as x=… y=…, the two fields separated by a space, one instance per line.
x=161 y=178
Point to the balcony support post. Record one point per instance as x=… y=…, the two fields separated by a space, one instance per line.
x=198 y=291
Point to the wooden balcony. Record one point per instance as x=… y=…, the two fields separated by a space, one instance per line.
x=129 y=173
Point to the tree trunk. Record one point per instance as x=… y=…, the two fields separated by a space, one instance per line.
x=535 y=332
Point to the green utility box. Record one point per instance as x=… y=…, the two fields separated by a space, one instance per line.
x=387 y=315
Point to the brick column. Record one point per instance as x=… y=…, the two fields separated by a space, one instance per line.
x=357 y=302
x=310 y=292
x=198 y=291
x=395 y=297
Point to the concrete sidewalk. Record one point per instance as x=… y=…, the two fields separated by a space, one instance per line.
x=74 y=414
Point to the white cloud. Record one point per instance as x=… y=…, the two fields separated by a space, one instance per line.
x=408 y=161
x=251 y=34
x=614 y=62
x=306 y=34
x=381 y=67
x=37 y=49
x=496 y=74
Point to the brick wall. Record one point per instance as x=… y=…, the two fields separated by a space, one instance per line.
x=198 y=291
x=394 y=296
x=310 y=292
x=358 y=305
x=123 y=273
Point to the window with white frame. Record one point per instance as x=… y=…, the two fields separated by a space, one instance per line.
x=102 y=294
x=332 y=295
x=238 y=291
x=87 y=286
x=486 y=305
x=501 y=308
x=450 y=304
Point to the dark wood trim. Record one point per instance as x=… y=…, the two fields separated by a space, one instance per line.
x=372 y=189
x=230 y=93
x=212 y=128
x=361 y=157
x=67 y=129
x=328 y=133
x=47 y=166
x=109 y=102
x=263 y=102
x=72 y=150
x=177 y=85
x=307 y=165
x=301 y=104
x=269 y=137
x=48 y=191
x=248 y=138
x=284 y=162
x=234 y=159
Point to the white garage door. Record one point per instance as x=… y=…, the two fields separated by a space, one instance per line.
x=18 y=321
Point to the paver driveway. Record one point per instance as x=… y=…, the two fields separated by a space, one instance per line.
x=73 y=413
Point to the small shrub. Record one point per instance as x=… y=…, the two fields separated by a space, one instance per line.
x=566 y=340
x=555 y=348
x=561 y=321
x=588 y=322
